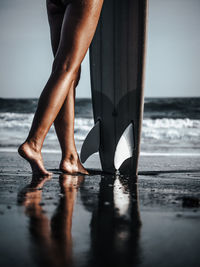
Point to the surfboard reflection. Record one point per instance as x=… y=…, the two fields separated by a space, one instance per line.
x=114 y=227
x=115 y=224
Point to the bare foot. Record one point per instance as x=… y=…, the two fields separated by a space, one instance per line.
x=72 y=165
x=34 y=158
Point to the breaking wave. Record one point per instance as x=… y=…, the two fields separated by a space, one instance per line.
x=169 y=123
x=14 y=128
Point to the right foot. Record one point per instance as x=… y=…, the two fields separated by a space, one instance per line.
x=34 y=158
x=72 y=165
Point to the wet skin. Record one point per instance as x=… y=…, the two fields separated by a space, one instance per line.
x=72 y=29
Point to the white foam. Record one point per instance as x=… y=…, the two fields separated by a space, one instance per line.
x=14 y=128
x=168 y=154
x=148 y=154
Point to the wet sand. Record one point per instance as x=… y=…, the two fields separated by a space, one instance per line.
x=100 y=219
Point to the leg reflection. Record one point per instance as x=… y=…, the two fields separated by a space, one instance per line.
x=61 y=223
x=52 y=239
x=39 y=226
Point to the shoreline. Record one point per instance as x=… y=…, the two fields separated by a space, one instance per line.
x=147 y=154
x=148 y=164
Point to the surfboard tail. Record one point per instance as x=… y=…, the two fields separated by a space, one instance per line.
x=124 y=150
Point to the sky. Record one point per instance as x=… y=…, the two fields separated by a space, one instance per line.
x=173 y=57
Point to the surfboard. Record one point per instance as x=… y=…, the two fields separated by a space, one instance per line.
x=117 y=66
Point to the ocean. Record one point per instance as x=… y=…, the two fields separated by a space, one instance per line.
x=170 y=125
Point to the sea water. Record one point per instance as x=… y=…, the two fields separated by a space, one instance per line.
x=170 y=125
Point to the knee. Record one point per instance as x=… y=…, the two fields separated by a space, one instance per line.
x=67 y=70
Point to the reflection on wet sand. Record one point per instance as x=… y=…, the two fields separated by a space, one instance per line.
x=52 y=238
x=114 y=227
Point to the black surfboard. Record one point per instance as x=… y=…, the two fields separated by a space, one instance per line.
x=117 y=61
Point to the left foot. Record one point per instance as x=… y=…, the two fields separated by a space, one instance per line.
x=72 y=165
x=34 y=157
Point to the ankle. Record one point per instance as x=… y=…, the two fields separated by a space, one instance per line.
x=70 y=156
x=33 y=145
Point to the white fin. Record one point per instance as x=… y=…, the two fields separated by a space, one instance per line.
x=125 y=146
x=91 y=143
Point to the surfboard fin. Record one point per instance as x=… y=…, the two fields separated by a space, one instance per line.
x=125 y=146
x=91 y=143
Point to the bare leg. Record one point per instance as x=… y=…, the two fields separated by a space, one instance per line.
x=64 y=125
x=64 y=122
x=79 y=24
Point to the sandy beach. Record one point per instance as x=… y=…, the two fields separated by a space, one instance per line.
x=100 y=219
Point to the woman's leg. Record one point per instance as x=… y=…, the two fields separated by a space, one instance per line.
x=64 y=125
x=64 y=122
x=79 y=24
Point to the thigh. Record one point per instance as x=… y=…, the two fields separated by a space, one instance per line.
x=55 y=12
x=55 y=7
x=79 y=24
